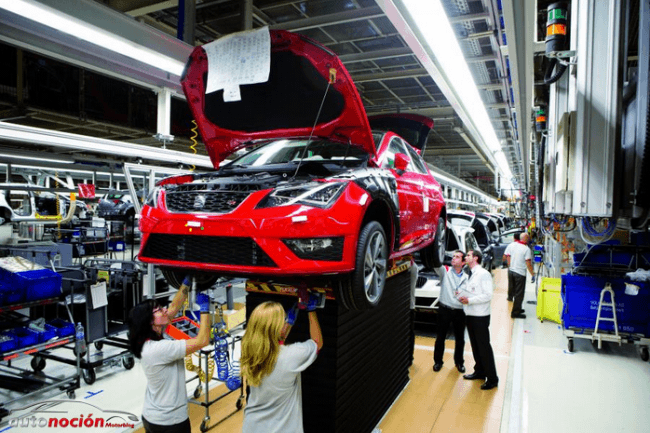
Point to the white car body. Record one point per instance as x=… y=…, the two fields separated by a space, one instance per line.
x=17 y=204
x=426 y=296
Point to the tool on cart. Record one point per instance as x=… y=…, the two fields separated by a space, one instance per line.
x=307 y=300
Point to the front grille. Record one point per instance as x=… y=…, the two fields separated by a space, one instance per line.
x=424 y=302
x=421 y=281
x=204 y=201
x=212 y=198
x=207 y=249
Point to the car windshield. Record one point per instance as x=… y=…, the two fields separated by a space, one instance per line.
x=459 y=221
x=285 y=151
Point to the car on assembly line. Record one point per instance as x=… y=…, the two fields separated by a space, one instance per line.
x=319 y=197
x=33 y=203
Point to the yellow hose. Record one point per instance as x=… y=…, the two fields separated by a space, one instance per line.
x=190 y=366
x=193 y=138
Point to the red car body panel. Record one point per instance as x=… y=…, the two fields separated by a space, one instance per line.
x=267 y=227
x=350 y=121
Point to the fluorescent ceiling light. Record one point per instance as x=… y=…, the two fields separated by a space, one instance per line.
x=431 y=20
x=64 y=140
x=57 y=159
x=50 y=17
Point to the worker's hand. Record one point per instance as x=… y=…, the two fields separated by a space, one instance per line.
x=303 y=298
x=532 y=279
x=292 y=314
x=313 y=302
x=464 y=300
x=203 y=301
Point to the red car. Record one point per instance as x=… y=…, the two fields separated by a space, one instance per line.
x=321 y=196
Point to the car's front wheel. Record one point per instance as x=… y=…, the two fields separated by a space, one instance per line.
x=365 y=287
x=175 y=278
x=433 y=255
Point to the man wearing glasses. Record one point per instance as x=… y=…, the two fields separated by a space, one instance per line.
x=476 y=300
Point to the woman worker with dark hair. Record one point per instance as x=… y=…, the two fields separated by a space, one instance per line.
x=165 y=400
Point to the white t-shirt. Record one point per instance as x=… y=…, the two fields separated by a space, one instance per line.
x=165 y=401
x=518 y=253
x=276 y=405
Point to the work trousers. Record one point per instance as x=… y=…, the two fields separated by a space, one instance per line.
x=450 y=316
x=183 y=427
x=516 y=283
x=478 y=328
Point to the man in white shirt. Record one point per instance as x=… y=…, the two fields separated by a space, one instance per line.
x=519 y=258
x=476 y=300
x=450 y=311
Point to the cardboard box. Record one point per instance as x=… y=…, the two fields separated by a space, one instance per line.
x=235 y=317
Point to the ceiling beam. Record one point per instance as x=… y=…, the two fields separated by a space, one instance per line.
x=331 y=19
x=145 y=10
x=409 y=73
x=468 y=17
x=376 y=55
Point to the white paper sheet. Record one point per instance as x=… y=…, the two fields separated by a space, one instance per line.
x=98 y=294
x=242 y=58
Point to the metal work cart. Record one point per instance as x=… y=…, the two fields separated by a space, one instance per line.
x=103 y=325
x=204 y=359
x=591 y=311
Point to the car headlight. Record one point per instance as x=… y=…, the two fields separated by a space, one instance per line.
x=316 y=194
x=152 y=198
x=327 y=249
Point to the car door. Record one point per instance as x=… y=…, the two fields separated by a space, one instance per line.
x=432 y=199
x=409 y=193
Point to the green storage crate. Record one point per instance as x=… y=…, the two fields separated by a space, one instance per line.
x=549 y=300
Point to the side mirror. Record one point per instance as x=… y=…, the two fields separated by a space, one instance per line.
x=401 y=161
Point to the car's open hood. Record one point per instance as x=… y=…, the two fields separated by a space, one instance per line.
x=288 y=104
x=414 y=128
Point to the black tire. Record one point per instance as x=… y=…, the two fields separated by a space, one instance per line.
x=71 y=395
x=570 y=345
x=175 y=278
x=204 y=426
x=365 y=286
x=240 y=403
x=99 y=345
x=197 y=392
x=89 y=375
x=128 y=362
x=645 y=355
x=433 y=255
x=38 y=364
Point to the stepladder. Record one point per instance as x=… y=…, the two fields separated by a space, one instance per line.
x=600 y=336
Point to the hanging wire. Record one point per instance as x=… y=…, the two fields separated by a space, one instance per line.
x=332 y=80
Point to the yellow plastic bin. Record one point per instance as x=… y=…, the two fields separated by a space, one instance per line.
x=549 y=300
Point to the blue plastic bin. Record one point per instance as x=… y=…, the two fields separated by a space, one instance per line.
x=63 y=328
x=48 y=334
x=581 y=295
x=34 y=285
x=40 y=284
x=9 y=344
x=10 y=293
x=24 y=337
